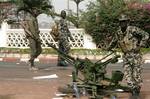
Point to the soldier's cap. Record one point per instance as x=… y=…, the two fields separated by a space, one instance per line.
x=123 y=18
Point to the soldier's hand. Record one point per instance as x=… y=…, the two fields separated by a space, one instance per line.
x=143 y=43
x=138 y=49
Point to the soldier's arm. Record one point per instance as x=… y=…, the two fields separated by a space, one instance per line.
x=144 y=36
x=24 y=24
x=69 y=34
x=26 y=28
x=112 y=44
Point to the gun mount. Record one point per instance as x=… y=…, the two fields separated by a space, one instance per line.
x=90 y=77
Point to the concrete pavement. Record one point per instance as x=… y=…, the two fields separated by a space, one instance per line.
x=16 y=81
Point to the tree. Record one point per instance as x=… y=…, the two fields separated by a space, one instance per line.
x=33 y=7
x=77 y=4
x=2 y=16
x=101 y=18
x=6 y=10
x=36 y=7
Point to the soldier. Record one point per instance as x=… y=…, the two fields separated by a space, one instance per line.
x=30 y=26
x=64 y=34
x=130 y=39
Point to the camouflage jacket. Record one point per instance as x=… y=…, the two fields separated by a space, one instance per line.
x=131 y=40
x=64 y=32
x=31 y=28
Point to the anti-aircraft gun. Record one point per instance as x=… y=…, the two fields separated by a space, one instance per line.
x=90 y=77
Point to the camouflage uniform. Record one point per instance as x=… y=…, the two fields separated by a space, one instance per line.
x=63 y=42
x=32 y=33
x=130 y=43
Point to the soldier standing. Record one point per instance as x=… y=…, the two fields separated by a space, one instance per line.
x=30 y=26
x=64 y=35
x=130 y=39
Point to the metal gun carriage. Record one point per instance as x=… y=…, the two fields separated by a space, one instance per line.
x=90 y=77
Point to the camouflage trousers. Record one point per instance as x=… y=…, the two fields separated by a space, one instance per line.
x=65 y=48
x=35 y=48
x=132 y=63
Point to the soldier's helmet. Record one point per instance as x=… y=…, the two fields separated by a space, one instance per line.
x=124 y=17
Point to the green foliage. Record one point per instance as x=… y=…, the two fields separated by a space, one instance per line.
x=26 y=50
x=34 y=7
x=101 y=18
x=72 y=52
x=87 y=52
x=145 y=50
x=52 y=51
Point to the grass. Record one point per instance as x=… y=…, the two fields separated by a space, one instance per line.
x=145 y=50
x=73 y=51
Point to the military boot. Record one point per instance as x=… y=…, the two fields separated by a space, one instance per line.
x=62 y=63
x=32 y=66
x=135 y=93
x=31 y=63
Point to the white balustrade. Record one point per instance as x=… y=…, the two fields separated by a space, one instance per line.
x=15 y=38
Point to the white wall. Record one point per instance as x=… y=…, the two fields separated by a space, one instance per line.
x=3 y=35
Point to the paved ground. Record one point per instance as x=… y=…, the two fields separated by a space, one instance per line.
x=16 y=81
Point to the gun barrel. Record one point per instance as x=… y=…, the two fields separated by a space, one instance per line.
x=111 y=59
x=67 y=57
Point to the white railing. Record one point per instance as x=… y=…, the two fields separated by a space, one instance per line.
x=15 y=38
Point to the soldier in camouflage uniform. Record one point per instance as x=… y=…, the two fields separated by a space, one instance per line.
x=64 y=35
x=130 y=39
x=30 y=26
